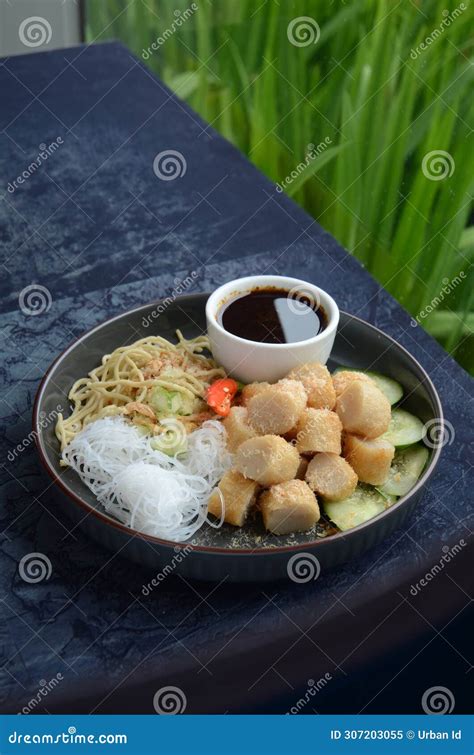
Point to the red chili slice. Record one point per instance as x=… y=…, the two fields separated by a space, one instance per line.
x=220 y=394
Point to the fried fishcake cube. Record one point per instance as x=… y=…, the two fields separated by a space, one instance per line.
x=267 y=459
x=331 y=477
x=237 y=427
x=238 y=497
x=344 y=378
x=369 y=458
x=276 y=409
x=289 y=507
x=251 y=390
x=319 y=430
x=317 y=384
x=363 y=409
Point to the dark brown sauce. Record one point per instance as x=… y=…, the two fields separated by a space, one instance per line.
x=273 y=315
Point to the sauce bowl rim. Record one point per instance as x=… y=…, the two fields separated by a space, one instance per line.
x=253 y=281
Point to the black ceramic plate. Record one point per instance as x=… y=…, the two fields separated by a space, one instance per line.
x=229 y=553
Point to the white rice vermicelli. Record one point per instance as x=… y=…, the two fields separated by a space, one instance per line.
x=145 y=489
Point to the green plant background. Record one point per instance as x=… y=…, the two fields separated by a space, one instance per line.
x=363 y=86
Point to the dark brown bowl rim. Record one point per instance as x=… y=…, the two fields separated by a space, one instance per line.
x=319 y=543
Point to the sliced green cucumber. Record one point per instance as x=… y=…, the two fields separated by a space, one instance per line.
x=165 y=402
x=392 y=390
x=389 y=387
x=404 y=428
x=364 y=503
x=407 y=466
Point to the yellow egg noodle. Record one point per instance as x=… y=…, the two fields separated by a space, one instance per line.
x=121 y=384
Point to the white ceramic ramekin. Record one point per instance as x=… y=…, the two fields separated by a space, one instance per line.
x=251 y=361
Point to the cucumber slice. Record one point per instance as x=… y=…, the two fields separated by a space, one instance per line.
x=407 y=466
x=162 y=400
x=392 y=390
x=365 y=503
x=389 y=387
x=167 y=402
x=404 y=428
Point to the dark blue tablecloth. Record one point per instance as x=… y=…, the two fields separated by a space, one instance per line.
x=95 y=226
